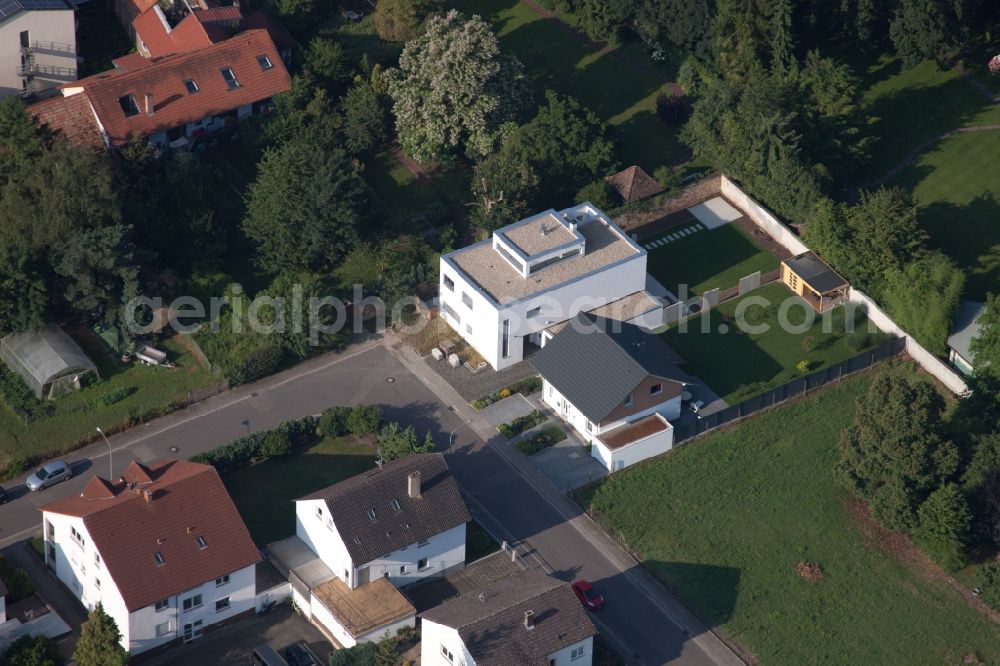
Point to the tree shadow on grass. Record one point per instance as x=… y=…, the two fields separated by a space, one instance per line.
x=969 y=234
x=710 y=591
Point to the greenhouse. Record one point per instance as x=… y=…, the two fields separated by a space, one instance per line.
x=49 y=361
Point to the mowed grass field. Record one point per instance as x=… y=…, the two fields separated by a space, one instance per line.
x=737 y=364
x=75 y=417
x=706 y=260
x=957 y=189
x=618 y=92
x=723 y=522
x=912 y=106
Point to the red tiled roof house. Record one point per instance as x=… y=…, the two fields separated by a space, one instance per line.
x=163 y=548
x=177 y=100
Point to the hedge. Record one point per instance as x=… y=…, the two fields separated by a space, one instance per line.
x=265 y=443
x=522 y=423
x=524 y=387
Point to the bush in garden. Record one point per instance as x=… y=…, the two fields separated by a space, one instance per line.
x=275 y=443
x=365 y=420
x=333 y=422
x=943 y=526
x=671 y=109
x=987 y=580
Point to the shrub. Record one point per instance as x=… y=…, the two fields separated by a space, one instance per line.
x=525 y=387
x=671 y=109
x=365 y=420
x=943 y=526
x=541 y=440
x=362 y=654
x=16 y=393
x=803 y=366
x=808 y=344
x=275 y=443
x=522 y=423
x=32 y=651
x=333 y=422
x=260 y=444
x=117 y=395
x=19 y=585
x=504 y=393
x=987 y=579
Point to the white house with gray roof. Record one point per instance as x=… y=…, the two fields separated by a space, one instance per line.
x=528 y=618
x=965 y=329
x=502 y=293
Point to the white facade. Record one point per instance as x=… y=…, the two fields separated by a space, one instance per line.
x=669 y=409
x=433 y=557
x=620 y=458
x=498 y=330
x=71 y=553
x=50 y=59
x=441 y=645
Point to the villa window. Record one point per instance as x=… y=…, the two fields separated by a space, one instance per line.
x=656 y=389
x=264 y=62
x=534 y=312
x=448 y=310
x=446 y=653
x=191 y=86
x=449 y=283
x=422 y=564
x=222 y=604
x=628 y=400
x=467 y=300
x=129 y=107
x=192 y=602
x=221 y=580
x=505 y=342
x=230 y=78
x=162 y=604
x=162 y=629
x=577 y=653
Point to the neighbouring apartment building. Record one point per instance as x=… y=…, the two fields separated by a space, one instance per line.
x=37 y=46
x=501 y=294
x=162 y=548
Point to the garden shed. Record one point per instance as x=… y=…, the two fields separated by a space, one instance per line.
x=50 y=362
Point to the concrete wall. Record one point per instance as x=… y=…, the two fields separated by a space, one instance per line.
x=324 y=618
x=688 y=196
x=762 y=217
x=56 y=29
x=433 y=637
x=277 y=594
x=614 y=460
x=443 y=552
x=564 y=657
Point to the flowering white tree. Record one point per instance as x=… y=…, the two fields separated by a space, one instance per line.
x=454 y=89
x=995 y=64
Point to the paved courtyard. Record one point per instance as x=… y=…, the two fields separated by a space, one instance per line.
x=472 y=387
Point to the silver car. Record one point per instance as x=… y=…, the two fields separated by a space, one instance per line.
x=49 y=474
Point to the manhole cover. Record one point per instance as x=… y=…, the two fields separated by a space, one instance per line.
x=391 y=380
x=174 y=449
x=574 y=456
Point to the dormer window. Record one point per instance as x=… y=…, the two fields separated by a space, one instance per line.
x=395 y=505
x=127 y=102
x=371 y=515
x=191 y=85
x=200 y=540
x=264 y=62
x=230 y=77
x=158 y=558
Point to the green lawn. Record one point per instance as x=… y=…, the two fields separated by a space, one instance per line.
x=737 y=365
x=620 y=94
x=914 y=106
x=958 y=191
x=724 y=521
x=402 y=197
x=76 y=416
x=264 y=493
x=708 y=259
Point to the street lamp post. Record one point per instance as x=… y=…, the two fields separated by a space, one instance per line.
x=111 y=472
x=451 y=435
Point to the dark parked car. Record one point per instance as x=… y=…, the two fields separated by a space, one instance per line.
x=3 y=496
x=587 y=595
x=299 y=654
x=49 y=474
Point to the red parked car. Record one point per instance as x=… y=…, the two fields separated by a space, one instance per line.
x=588 y=596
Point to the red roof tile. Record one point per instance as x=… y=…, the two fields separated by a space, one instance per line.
x=185 y=501
x=73 y=117
x=130 y=62
x=164 y=80
x=160 y=40
x=634 y=184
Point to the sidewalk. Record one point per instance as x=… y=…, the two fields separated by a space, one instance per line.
x=625 y=565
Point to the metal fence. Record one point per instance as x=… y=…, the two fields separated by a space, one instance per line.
x=208 y=392
x=793 y=389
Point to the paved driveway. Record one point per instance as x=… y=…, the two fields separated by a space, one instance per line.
x=232 y=643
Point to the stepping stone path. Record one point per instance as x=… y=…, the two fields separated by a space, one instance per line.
x=681 y=233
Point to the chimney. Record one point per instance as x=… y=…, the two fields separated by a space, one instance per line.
x=413 y=485
x=149 y=104
x=148 y=494
x=529 y=620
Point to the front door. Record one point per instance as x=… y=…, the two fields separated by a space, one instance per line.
x=192 y=631
x=364 y=576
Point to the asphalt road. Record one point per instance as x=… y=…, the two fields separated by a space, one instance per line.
x=507 y=498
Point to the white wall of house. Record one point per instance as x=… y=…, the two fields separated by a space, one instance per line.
x=481 y=325
x=614 y=460
x=435 y=639
x=315 y=527
x=52 y=35
x=669 y=409
x=146 y=623
x=442 y=552
x=578 y=654
x=3 y=609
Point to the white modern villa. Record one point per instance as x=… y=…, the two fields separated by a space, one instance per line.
x=502 y=293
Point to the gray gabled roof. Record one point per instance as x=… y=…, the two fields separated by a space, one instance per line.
x=596 y=362
x=439 y=508
x=491 y=620
x=965 y=328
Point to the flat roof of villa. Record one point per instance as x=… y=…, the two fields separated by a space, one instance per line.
x=529 y=237
x=371 y=606
x=629 y=434
x=491 y=272
x=628 y=307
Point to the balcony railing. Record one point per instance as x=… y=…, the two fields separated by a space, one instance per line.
x=57 y=47
x=34 y=69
